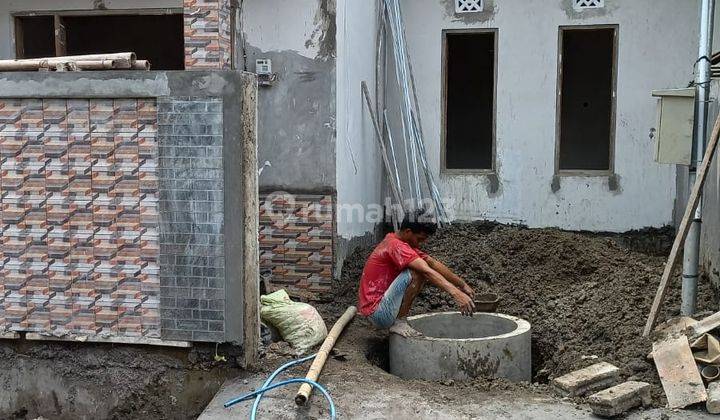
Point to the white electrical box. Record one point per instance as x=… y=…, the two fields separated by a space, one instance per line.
x=263 y=66
x=676 y=116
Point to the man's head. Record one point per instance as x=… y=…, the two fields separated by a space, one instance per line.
x=416 y=227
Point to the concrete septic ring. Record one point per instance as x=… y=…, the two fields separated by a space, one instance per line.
x=457 y=347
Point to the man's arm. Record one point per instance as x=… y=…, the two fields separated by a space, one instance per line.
x=464 y=302
x=453 y=278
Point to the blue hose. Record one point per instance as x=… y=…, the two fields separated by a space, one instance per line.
x=258 y=394
x=269 y=380
x=283 y=383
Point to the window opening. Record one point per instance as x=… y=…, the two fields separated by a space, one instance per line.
x=586 y=101
x=470 y=59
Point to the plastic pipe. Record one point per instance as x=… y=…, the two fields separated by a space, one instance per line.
x=691 y=258
x=269 y=380
x=284 y=383
x=710 y=373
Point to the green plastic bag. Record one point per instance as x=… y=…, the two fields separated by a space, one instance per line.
x=299 y=324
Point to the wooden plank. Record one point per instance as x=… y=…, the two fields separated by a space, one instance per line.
x=678 y=372
x=704 y=326
x=111 y=340
x=251 y=228
x=19 y=38
x=105 y=12
x=60 y=36
x=9 y=335
x=683 y=229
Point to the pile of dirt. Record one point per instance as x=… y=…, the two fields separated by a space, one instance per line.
x=587 y=296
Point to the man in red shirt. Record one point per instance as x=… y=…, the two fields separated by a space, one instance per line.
x=397 y=271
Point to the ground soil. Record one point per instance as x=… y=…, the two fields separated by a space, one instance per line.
x=587 y=296
x=62 y=380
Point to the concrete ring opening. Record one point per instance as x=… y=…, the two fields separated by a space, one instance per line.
x=453 y=346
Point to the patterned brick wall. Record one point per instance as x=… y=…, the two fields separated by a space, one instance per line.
x=79 y=217
x=296 y=242
x=192 y=257
x=208 y=34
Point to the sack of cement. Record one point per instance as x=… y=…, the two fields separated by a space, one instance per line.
x=299 y=323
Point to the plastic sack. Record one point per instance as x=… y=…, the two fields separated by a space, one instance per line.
x=299 y=324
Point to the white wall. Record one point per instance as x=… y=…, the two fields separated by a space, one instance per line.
x=657 y=48
x=7 y=7
x=359 y=169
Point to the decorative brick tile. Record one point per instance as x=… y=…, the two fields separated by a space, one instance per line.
x=296 y=242
x=207 y=34
x=73 y=235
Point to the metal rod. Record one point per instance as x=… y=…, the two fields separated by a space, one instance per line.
x=691 y=257
x=401 y=75
x=378 y=135
x=392 y=151
x=412 y=128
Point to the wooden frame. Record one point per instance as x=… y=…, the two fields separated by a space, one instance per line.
x=60 y=45
x=558 y=103
x=443 y=99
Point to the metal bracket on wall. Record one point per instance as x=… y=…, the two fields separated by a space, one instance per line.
x=266 y=80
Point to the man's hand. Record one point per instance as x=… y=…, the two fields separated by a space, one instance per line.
x=468 y=290
x=464 y=303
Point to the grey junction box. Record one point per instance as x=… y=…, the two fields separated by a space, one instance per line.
x=676 y=115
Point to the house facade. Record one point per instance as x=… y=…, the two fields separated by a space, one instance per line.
x=533 y=112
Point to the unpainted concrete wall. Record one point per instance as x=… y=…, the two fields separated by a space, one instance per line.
x=359 y=169
x=524 y=188
x=7 y=32
x=296 y=116
x=710 y=236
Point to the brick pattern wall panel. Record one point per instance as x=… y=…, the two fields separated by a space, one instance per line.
x=192 y=262
x=296 y=242
x=72 y=234
x=208 y=26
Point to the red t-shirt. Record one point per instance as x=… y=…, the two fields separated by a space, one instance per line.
x=389 y=258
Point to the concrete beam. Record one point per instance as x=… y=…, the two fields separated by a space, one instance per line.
x=713 y=401
x=112 y=340
x=620 y=399
x=584 y=381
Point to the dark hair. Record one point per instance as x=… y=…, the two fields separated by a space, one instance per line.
x=419 y=221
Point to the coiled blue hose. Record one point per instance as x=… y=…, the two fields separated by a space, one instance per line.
x=258 y=394
x=269 y=380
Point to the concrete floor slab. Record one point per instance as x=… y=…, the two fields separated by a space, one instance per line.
x=360 y=400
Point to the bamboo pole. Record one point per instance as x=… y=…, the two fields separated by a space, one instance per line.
x=122 y=61
x=141 y=65
x=95 y=64
x=29 y=65
x=322 y=354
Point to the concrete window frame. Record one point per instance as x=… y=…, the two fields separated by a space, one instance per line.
x=444 y=170
x=558 y=102
x=59 y=14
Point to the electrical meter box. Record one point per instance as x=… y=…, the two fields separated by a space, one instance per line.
x=263 y=66
x=676 y=115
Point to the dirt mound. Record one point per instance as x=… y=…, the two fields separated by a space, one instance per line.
x=587 y=296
